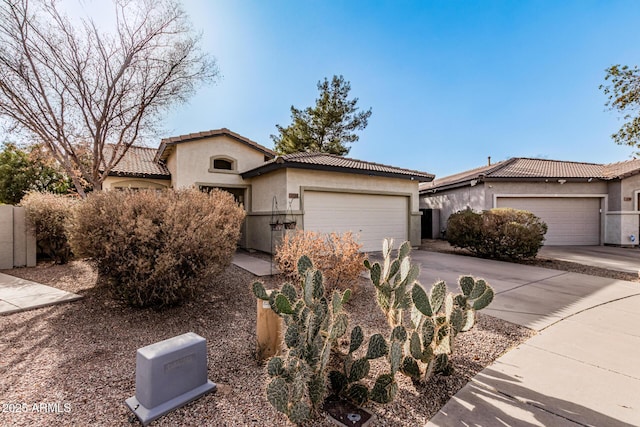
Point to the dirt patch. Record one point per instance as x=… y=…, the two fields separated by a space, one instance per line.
x=78 y=359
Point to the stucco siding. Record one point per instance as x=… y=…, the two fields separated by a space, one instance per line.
x=623 y=217
x=298 y=179
x=284 y=182
x=193 y=161
x=630 y=187
x=455 y=200
x=552 y=188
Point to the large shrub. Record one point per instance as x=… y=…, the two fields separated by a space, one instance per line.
x=502 y=233
x=157 y=248
x=337 y=255
x=50 y=215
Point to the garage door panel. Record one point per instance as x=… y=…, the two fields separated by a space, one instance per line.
x=570 y=220
x=371 y=218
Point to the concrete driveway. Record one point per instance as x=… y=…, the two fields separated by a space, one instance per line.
x=581 y=369
x=614 y=258
x=534 y=297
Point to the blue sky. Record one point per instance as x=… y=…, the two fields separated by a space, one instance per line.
x=449 y=82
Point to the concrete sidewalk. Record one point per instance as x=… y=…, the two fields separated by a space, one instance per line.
x=19 y=294
x=254 y=265
x=581 y=369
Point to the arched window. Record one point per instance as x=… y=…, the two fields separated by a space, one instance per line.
x=222 y=164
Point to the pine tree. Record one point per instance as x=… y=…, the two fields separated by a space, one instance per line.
x=328 y=127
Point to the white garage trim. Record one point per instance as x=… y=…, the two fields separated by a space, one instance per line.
x=370 y=216
x=573 y=219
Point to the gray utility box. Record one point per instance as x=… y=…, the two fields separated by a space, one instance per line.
x=169 y=374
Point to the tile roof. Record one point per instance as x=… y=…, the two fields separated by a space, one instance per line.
x=332 y=162
x=541 y=168
x=137 y=162
x=622 y=169
x=521 y=168
x=167 y=142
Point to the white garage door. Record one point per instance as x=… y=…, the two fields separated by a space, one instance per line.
x=570 y=220
x=371 y=218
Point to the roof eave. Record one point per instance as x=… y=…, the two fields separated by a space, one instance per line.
x=261 y=170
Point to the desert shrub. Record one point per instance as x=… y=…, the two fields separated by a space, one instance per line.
x=464 y=228
x=157 y=248
x=50 y=215
x=337 y=255
x=502 y=233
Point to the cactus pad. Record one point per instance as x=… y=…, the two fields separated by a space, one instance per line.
x=357 y=393
x=466 y=283
x=375 y=273
x=385 y=389
x=410 y=367
x=289 y=291
x=337 y=381
x=484 y=299
x=292 y=336
x=377 y=347
x=356 y=339
x=395 y=356
x=275 y=367
x=278 y=394
x=399 y=333
x=438 y=292
x=428 y=331
x=259 y=291
x=299 y=412
x=304 y=264
x=339 y=326
x=283 y=305
x=359 y=370
x=421 y=301
x=478 y=289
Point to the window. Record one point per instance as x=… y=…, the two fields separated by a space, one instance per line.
x=238 y=193
x=221 y=164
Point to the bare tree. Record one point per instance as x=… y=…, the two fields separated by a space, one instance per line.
x=77 y=88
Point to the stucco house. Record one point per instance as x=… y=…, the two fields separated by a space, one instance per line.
x=320 y=192
x=582 y=203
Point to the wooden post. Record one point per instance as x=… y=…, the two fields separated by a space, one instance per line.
x=268 y=331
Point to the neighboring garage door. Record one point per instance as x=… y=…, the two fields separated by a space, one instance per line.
x=570 y=220
x=371 y=218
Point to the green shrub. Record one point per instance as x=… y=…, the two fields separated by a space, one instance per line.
x=337 y=255
x=157 y=248
x=502 y=233
x=50 y=214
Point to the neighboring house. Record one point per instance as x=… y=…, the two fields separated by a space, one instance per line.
x=320 y=192
x=582 y=203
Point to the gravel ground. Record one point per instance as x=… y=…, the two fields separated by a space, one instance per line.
x=573 y=267
x=81 y=356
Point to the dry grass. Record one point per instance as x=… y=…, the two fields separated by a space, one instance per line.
x=83 y=354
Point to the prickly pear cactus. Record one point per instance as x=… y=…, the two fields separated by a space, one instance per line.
x=436 y=316
x=313 y=323
x=423 y=329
